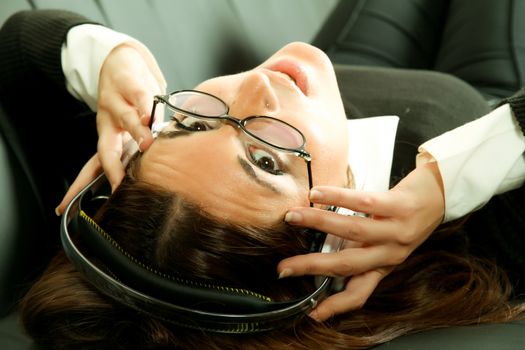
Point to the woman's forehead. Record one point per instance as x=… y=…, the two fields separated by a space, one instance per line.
x=219 y=180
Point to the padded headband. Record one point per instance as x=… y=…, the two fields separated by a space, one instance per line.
x=183 y=302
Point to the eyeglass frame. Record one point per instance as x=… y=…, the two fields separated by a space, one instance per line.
x=240 y=123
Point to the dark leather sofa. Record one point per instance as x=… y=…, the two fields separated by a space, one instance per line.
x=207 y=38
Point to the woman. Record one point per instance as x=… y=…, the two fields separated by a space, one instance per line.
x=376 y=309
x=437 y=38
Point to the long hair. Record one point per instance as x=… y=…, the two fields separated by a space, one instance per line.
x=439 y=285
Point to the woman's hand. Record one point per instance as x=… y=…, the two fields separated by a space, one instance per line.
x=399 y=221
x=129 y=78
x=125 y=99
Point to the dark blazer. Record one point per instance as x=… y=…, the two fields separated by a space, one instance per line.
x=55 y=131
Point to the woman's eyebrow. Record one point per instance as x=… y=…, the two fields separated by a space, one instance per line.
x=248 y=169
x=171 y=134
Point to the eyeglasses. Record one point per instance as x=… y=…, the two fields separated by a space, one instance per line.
x=199 y=111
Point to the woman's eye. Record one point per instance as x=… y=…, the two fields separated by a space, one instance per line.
x=191 y=123
x=265 y=160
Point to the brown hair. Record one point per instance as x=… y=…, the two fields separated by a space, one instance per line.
x=175 y=236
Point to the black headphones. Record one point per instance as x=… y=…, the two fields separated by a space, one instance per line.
x=186 y=303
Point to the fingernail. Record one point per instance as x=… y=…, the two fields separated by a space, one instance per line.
x=315 y=195
x=292 y=217
x=140 y=142
x=57 y=211
x=285 y=273
x=314 y=315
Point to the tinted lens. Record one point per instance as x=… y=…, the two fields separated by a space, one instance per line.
x=275 y=132
x=198 y=103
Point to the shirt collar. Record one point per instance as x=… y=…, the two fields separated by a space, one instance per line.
x=370 y=151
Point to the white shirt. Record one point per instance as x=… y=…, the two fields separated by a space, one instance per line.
x=476 y=161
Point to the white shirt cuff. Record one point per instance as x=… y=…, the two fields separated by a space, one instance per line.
x=478 y=160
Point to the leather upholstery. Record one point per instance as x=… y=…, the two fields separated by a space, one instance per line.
x=189 y=33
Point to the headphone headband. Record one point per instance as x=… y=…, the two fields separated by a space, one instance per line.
x=182 y=302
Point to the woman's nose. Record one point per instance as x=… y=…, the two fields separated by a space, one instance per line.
x=255 y=96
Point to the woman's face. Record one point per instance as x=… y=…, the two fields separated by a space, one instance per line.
x=221 y=170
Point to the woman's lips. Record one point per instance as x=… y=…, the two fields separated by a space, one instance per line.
x=294 y=71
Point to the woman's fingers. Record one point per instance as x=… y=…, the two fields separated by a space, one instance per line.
x=132 y=123
x=139 y=96
x=109 y=149
x=376 y=203
x=399 y=221
x=126 y=91
x=355 y=228
x=346 y=262
x=127 y=118
x=88 y=173
x=356 y=293
x=112 y=124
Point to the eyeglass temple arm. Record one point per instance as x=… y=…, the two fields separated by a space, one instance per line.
x=310 y=181
x=156 y=100
x=152 y=115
